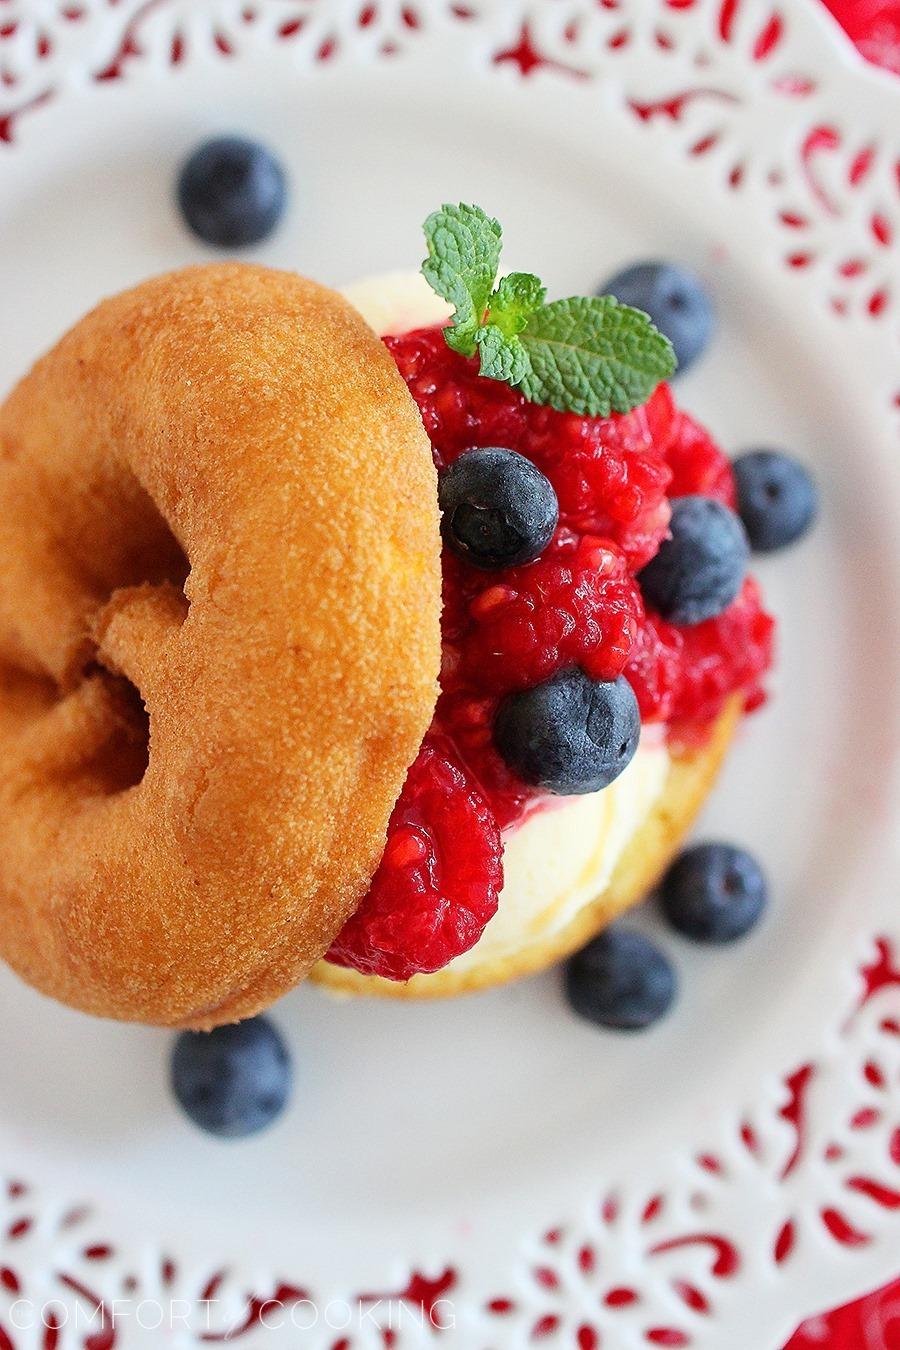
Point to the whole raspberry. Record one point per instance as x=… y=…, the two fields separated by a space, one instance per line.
x=439 y=879
x=699 y=467
x=577 y=604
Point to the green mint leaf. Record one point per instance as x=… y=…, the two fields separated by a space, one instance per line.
x=502 y=357
x=462 y=263
x=514 y=300
x=592 y=356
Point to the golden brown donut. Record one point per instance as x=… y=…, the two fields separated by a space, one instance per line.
x=691 y=775
x=216 y=500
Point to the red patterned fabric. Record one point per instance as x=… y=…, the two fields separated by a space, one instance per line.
x=874 y=1322
x=871 y=1324
x=874 y=25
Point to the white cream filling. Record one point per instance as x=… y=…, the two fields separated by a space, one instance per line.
x=560 y=858
x=397 y=302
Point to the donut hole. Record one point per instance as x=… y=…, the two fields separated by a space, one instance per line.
x=157 y=558
x=140 y=548
x=123 y=542
x=138 y=591
x=119 y=759
x=137 y=598
x=92 y=740
x=129 y=750
x=24 y=695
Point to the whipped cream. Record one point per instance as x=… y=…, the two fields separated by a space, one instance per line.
x=397 y=302
x=558 y=859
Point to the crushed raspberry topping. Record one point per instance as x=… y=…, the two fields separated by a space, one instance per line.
x=575 y=604
x=579 y=603
x=609 y=473
x=698 y=465
x=466 y=715
x=438 y=881
x=687 y=674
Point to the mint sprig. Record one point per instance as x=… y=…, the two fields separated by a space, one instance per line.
x=463 y=258
x=517 y=297
x=589 y=355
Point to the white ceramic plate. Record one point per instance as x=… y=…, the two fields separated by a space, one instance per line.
x=535 y=1177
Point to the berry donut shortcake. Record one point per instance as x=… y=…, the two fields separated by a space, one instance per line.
x=391 y=638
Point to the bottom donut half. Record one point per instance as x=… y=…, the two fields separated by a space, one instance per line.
x=691 y=772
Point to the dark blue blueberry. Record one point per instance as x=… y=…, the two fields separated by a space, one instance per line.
x=570 y=734
x=232 y=192
x=714 y=893
x=676 y=301
x=700 y=568
x=776 y=498
x=234 y=1080
x=497 y=508
x=621 y=980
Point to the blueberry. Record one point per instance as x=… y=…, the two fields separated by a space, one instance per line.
x=776 y=498
x=620 y=980
x=232 y=191
x=234 y=1080
x=570 y=734
x=676 y=301
x=497 y=508
x=714 y=893
x=700 y=568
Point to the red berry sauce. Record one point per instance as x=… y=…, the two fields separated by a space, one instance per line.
x=696 y=463
x=579 y=603
x=438 y=881
x=576 y=604
x=685 y=675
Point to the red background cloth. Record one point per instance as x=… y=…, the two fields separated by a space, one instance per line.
x=874 y=1322
x=871 y=1324
x=874 y=25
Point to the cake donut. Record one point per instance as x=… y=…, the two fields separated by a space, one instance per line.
x=219 y=641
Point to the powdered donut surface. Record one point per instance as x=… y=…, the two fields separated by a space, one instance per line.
x=217 y=502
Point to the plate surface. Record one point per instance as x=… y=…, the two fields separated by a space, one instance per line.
x=493 y=1162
